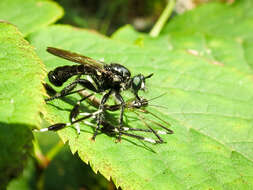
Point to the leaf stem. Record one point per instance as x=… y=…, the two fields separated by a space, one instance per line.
x=39 y=156
x=53 y=152
x=155 y=31
x=44 y=160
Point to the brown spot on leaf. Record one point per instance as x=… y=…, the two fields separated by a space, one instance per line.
x=217 y=63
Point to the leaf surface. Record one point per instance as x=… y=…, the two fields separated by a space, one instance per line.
x=214 y=49
x=209 y=107
x=232 y=22
x=20 y=100
x=30 y=15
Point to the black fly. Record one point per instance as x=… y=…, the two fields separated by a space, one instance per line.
x=110 y=78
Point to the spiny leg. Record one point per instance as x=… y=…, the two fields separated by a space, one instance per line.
x=69 y=88
x=101 y=115
x=106 y=128
x=169 y=131
x=123 y=128
x=59 y=126
x=160 y=139
x=122 y=107
x=139 y=104
x=64 y=91
x=73 y=114
x=52 y=92
x=162 y=126
x=112 y=130
x=75 y=111
x=141 y=138
x=109 y=129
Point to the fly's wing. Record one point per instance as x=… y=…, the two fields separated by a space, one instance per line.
x=74 y=57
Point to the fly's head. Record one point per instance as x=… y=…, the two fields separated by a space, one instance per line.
x=138 y=83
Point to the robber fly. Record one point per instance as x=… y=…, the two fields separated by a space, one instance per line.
x=107 y=127
x=110 y=78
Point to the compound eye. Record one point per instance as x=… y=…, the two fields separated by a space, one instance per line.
x=138 y=83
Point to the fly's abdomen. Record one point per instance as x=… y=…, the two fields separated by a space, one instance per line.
x=61 y=74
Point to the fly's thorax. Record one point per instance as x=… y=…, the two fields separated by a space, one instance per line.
x=121 y=73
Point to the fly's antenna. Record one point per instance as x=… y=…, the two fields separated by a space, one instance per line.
x=150 y=75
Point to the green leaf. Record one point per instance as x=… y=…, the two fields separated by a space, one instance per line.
x=20 y=100
x=65 y=171
x=26 y=181
x=234 y=23
x=216 y=50
x=208 y=105
x=30 y=15
x=217 y=19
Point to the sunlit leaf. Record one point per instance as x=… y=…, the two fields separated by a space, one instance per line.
x=208 y=105
x=30 y=15
x=20 y=100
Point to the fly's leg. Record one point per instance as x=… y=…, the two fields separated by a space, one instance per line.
x=59 y=126
x=75 y=112
x=122 y=108
x=101 y=114
x=69 y=88
x=108 y=128
x=63 y=92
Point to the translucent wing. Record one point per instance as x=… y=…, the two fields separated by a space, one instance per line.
x=77 y=58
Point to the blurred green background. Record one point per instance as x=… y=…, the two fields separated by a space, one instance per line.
x=106 y=16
